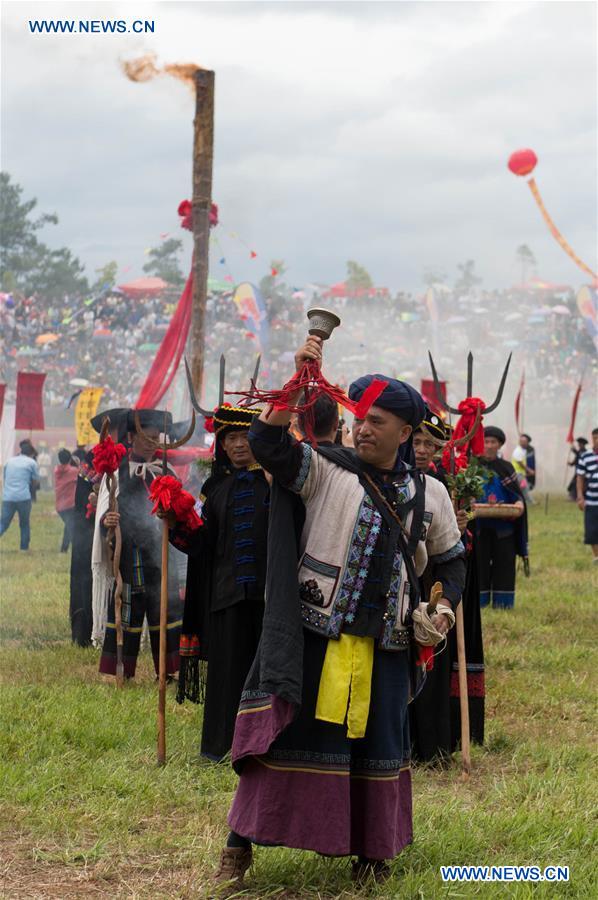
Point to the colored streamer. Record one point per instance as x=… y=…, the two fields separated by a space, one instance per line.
x=555 y=232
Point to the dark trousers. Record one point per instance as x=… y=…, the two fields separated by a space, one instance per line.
x=23 y=508
x=67 y=535
x=496 y=557
x=143 y=603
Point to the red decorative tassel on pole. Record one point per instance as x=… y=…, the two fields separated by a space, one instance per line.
x=571 y=435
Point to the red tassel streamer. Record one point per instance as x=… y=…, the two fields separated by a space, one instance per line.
x=468 y=409
x=167 y=494
x=107 y=456
x=571 y=435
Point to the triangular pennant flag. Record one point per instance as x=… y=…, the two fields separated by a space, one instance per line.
x=253 y=254
x=222 y=261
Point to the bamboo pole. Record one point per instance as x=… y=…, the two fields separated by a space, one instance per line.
x=162 y=650
x=203 y=153
x=463 y=697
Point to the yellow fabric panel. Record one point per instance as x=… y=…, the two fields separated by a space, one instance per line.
x=346 y=683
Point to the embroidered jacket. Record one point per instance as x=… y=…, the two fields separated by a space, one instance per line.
x=340 y=534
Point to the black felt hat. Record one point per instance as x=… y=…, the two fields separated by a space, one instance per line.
x=118 y=420
x=492 y=431
x=150 y=418
x=433 y=427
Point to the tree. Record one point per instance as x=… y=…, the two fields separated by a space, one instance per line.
x=357 y=278
x=467 y=279
x=26 y=263
x=432 y=275
x=269 y=285
x=164 y=262
x=527 y=261
x=106 y=277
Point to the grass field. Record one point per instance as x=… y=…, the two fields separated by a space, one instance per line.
x=85 y=812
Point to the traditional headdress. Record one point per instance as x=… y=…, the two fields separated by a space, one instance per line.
x=118 y=420
x=492 y=431
x=233 y=418
x=397 y=397
x=434 y=428
x=150 y=418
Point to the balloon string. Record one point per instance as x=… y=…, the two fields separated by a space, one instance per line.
x=555 y=232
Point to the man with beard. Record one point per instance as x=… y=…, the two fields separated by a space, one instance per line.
x=224 y=603
x=322 y=738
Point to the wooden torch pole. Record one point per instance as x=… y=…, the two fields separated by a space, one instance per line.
x=203 y=153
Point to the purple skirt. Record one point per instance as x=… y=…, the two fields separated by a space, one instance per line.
x=313 y=788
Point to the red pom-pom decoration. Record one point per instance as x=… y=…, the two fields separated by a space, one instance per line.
x=213 y=215
x=167 y=494
x=522 y=162
x=107 y=456
x=184 y=208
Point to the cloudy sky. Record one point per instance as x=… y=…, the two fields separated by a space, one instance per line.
x=370 y=131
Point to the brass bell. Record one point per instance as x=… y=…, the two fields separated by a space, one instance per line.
x=322 y=322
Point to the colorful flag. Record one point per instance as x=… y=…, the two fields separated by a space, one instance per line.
x=86 y=408
x=30 y=405
x=252 y=309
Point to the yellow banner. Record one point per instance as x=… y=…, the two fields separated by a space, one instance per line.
x=87 y=407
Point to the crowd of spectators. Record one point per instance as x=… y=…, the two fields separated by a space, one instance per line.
x=111 y=341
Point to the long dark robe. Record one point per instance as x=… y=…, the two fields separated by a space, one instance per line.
x=435 y=714
x=82 y=540
x=499 y=542
x=140 y=566
x=224 y=603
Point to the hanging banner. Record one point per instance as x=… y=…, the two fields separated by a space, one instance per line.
x=30 y=404
x=2 y=393
x=170 y=351
x=86 y=408
x=428 y=392
x=571 y=433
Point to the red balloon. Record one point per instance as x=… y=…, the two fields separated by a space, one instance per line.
x=522 y=162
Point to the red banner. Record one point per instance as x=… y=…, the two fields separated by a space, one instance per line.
x=571 y=435
x=29 y=413
x=428 y=392
x=2 y=392
x=169 y=354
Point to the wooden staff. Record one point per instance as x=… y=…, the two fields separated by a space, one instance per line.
x=115 y=550
x=118 y=585
x=163 y=583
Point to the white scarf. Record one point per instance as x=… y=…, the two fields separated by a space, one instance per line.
x=101 y=568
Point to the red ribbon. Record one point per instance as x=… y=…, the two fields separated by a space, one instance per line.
x=167 y=493
x=475 y=445
x=311 y=382
x=107 y=456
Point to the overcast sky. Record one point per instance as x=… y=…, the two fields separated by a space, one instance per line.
x=370 y=131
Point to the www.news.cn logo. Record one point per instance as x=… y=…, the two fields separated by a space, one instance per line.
x=91 y=26
x=504 y=873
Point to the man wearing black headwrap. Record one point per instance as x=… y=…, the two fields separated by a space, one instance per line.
x=322 y=735
x=500 y=541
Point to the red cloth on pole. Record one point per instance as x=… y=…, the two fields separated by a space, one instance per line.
x=571 y=435
x=169 y=355
x=475 y=445
x=2 y=392
x=29 y=413
x=428 y=392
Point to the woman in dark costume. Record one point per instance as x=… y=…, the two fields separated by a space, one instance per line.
x=224 y=604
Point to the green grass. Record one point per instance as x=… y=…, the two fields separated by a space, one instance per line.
x=86 y=812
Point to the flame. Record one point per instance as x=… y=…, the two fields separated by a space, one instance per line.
x=144 y=68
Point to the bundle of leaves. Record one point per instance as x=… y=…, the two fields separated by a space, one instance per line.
x=468 y=484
